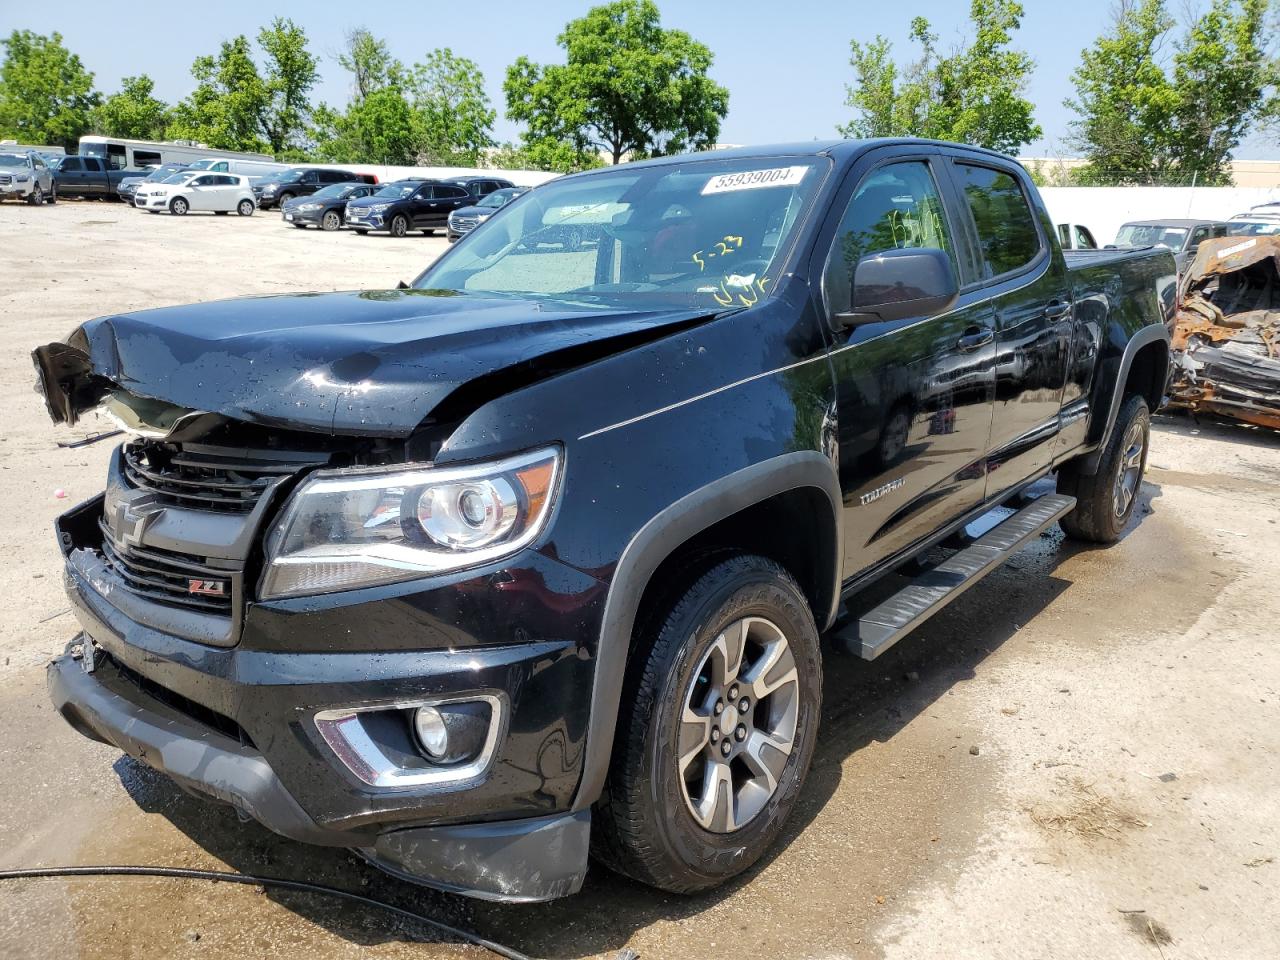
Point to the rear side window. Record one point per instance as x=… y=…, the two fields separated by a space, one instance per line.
x=92 y=165
x=1007 y=236
x=896 y=207
x=450 y=193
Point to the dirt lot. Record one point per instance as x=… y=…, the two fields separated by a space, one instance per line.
x=1077 y=759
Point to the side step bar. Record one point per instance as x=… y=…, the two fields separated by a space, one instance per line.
x=883 y=626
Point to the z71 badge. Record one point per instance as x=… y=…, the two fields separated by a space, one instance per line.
x=207 y=588
x=871 y=496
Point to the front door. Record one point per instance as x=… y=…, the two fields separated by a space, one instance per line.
x=1026 y=278
x=913 y=396
x=203 y=193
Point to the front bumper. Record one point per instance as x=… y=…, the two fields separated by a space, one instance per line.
x=525 y=860
x=238 y=721
x=359 y=220
x=310 y=217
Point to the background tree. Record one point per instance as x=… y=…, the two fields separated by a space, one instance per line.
x=133 y=112
x=291 y=71
x=1146 y=117
x=627 y=86
x=46 y=94
x=368 y=61
x=452 y=111
x=972 y=95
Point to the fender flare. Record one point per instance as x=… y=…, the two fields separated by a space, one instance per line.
x=1144 y=336
x=651 y=545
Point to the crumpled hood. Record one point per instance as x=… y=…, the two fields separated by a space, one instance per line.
x=369 y=363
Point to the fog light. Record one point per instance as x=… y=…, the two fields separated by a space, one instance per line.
x=433 y=735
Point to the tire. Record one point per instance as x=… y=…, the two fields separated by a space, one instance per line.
x=245 y=208
x=283 y=199
x=1105 y=500
x=332 y=220
x=36 y=197
x=179 y=207
x=399 y=226
x=664 y=818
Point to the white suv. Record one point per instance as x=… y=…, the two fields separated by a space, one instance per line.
x=197 y=190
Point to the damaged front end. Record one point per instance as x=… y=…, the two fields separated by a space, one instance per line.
x=1226 y=336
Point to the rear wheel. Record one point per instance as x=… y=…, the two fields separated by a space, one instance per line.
x=399 y=225
x=1106 y=498
x=717 y=730
x=331 y=220
x=245 y=208
x=178 y=207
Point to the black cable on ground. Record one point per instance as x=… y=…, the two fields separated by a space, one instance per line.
x=278 y=883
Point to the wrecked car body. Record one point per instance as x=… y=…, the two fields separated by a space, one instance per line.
x=1226 y=335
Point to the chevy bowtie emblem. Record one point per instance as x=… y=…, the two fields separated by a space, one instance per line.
x=207 y=588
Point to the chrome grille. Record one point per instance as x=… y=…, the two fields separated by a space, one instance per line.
x=167 y=577
x=204 y=480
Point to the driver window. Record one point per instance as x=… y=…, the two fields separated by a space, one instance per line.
x=896 y=207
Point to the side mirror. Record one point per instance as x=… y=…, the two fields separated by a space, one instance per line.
x=897 y=284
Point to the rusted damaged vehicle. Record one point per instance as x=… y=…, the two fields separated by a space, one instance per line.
x=1226 y=336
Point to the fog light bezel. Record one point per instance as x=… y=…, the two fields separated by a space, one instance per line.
x=344 y=733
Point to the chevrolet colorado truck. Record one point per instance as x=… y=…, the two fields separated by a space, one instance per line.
x=530 y=559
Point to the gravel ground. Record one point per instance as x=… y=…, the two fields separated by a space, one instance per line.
x=1076 y=759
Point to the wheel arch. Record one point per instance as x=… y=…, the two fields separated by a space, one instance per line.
x=799 y=487
x=1144 y=368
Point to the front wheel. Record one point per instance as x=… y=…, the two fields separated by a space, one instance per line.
x=331 y=220
x=36 y=196
x=178 y=207
x=717 y=730
x=283 y=199
x=1106 y=498
x=245 y=208
x=399 y=226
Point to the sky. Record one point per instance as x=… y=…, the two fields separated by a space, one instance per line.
x=785 y=64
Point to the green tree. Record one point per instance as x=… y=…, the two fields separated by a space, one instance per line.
x=133 y=112
x=973 y=95
x=380 y=128
x=369 y=62
x=453 y=115
x=237 y=106
x=627 y=86
x=46 y=94
x=1146 y=117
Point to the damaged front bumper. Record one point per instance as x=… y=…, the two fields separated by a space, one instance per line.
x=1226 y=337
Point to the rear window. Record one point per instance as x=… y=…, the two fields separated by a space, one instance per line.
x=1007 y=236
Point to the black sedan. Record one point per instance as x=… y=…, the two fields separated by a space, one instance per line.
x=326 y=208
x=465 y=219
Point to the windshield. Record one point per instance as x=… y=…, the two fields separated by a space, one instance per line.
x=13 y=160
x=1253 y=228
x=399 y=191
x=1151 y=235
x=499 y=198
x=704 y=233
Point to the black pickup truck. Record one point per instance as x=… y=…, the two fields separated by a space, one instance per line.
x=531 y=558
x=89 y=177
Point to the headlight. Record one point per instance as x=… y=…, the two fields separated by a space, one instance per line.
x=344 y=529
x=377 y=207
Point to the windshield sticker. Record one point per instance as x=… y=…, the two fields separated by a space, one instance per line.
x=755 y=179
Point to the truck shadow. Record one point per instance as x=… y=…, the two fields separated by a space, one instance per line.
x=864 y=703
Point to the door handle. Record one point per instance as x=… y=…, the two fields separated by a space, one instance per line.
x=1055 y=311
x=974 y=338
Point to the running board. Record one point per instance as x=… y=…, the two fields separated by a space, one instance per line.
x=880 y=628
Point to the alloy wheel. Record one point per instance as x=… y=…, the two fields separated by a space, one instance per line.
x=1129 y=471
x=331 y=220
x=738 y=725
x=399 y=227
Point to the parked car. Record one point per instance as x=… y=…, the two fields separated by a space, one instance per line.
x=326 y=208
x=128 y=187
x=543 y=544
x=408 y=205
x=194 y=190
x=24 y=176
x=301 y=182
x=1183 y=237
x=88 y=177
x=480 y=186
x=1074 y=236
x=1255 y=223
x=465 y=219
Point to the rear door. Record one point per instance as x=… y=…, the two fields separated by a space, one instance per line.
x=1024 y=276
x=914 y=395
x=448 y=199
x=94 y=180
